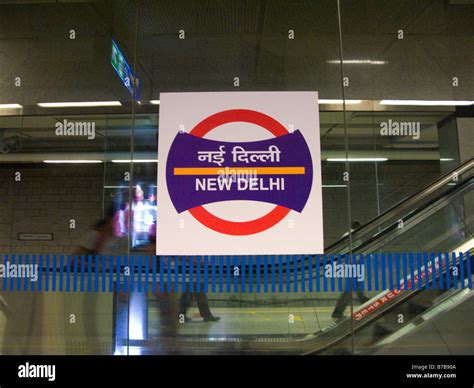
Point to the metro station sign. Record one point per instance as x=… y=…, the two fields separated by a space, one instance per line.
x=239 y=173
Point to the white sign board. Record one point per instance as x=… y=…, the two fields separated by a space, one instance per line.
x=239 y=173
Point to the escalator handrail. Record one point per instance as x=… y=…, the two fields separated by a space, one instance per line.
x=407 y=203
x=369 y=240
x=407 y=294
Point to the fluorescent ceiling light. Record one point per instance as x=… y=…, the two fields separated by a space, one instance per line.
x=135 y=161
x=334 y=185
x=357 y=62
x=10 y=106
x=427 y=102
x=78 y=104
x=446 y=159
x=336 y=101
x=155 y=102
x=356 y=159
x=72 y=161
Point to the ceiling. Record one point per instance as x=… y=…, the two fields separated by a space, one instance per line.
x=225 y=39
x=235 y=38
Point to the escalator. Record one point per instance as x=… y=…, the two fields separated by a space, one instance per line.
x=440 y=220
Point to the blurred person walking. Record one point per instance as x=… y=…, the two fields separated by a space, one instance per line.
x=97 y=241
x=167 y=304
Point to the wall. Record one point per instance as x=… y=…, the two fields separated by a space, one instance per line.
x=48 y=196
x=396 y=181
x=44 y=201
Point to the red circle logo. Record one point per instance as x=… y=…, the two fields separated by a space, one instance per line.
x=237 y=228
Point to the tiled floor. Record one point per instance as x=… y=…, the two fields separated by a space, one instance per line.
x=259 y=320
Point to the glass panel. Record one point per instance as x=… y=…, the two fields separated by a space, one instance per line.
x=53 y=168
x=404 y=61
x=241 y=48
x=81 y=179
